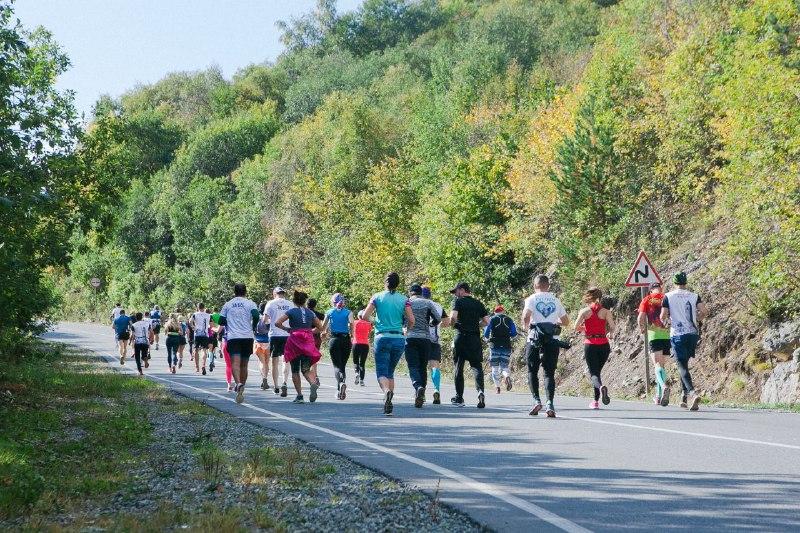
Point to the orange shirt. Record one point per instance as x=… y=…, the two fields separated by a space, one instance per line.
x=361 y=331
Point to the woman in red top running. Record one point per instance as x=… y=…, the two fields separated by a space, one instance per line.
x=361 y=330
x=596 y=323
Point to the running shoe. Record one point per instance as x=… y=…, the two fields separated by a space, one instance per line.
x=497 y=390
x=121 y=360
x=362 y=383
x=230 y=387
x=437 y=398
x=684 y=401
x=657 y=400
x=173 y=369
x=419 y=397
x=276 y=390
x=240 y=393
x=387 y=403
x=316 y=380
x=458 y=402
x=343 y=391
x=594 y=405
x=284 y=390
x=264 y=384
x=204 y=371
x=298 y=399
x=481 y=400
x=180 y=363
x=356 y=381
x=694 y=403
x=604 y=395
x=147 y=363
x=313 y=396
x=156 y=347
x=211 y=366
x=665 y=397
x=535 y=409
x=551 y=413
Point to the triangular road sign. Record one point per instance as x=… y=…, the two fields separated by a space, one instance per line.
x=643 y=273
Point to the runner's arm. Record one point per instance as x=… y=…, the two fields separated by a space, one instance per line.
x=485 y=321
x=610 y=324
x=453 y=318
x=642 y=320
x=283 y=318
x=254 y=318
x=409 y=317
x=581 y=319
x=526 y=319
x=368 y=311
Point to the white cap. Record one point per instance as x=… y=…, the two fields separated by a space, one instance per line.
x=278 y=290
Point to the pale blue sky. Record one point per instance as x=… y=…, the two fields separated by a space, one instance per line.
x=115 y=44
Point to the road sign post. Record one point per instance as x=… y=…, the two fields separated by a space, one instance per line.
x=642 y=274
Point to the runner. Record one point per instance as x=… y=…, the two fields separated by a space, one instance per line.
x=116 y=312
x=155 y=318
x=301 y=352
x=142 y=338
x=338 y=323
x=200 y=323
x=172 y=330
x=190 y=337
x=499 y=332
x=658 y=338
x=276 y=308
x=213 y=340
x=467 y=318
x=182 y=339
x=685 y=311
x=543 y=317
x=240 y=317
x=147 y=355
x=597 y=324
x=389 y=308
x=122 y=334
x=228 y=364
x=312 y=304
x=262 y=346
x=418 y=341
x=436 y=348
x=361 y=330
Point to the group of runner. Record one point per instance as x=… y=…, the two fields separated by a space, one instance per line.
x=287 y=335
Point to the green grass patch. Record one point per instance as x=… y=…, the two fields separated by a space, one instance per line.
x=69 y=430
x=789 y=407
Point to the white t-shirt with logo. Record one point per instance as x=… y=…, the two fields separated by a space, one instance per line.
x=141 y=331
x=202 y=321
x=238 y=313
x=682 y=305
x=544 y=307
x=115 y=313
x=275 y=309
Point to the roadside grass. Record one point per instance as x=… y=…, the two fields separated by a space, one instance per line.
x=59 y=409
x=787 y=407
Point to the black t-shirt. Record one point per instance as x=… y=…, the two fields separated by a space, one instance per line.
x=470 y=313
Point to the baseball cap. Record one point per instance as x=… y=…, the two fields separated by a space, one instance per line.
x=679 y=278
x=461 y=285
x=278 y=290
x=426 y=292
x=415 y=288
x=337 y=299
x=655 y=285
x=499 y=309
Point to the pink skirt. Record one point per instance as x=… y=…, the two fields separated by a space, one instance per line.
x=301 y=342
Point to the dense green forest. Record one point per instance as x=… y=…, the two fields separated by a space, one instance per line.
x=444 y=139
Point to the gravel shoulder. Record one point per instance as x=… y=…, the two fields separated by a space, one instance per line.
x=203 y=470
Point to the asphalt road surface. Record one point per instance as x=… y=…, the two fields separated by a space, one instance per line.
x=630 y=466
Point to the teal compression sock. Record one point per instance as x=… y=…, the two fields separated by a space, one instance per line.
x=436 y=378
x=661 y=380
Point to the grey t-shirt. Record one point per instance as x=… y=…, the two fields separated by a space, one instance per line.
x=422 y=308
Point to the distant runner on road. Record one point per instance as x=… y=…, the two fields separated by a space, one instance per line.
x=361 y=330
x=122 y=334
x=685 y=311
x=240 y=317
x=200 y=323
x=301 y=352
x=155 y=318
x=261 y=346
x=142 y=337
x=543 y=317
x=597 y=325
x=172 y=330
x=390 y=308
x=468 y=317
x=658 y=338
x=338 y=323
x=418 y=341
x=499 y=333
x=276 y=308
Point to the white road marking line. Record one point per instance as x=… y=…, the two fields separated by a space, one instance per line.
x=479 y=486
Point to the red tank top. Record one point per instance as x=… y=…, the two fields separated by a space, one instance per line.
x=361 y=331
x=595 y=327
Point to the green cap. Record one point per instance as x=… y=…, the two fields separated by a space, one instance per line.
x=679 y=278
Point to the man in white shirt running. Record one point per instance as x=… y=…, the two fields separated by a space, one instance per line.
x=240 y=317
x=684 y=310
x=200 y=322
x=542 y=311
x=276 y=308
x=142 y=336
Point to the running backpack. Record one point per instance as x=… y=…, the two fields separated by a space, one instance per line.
x=500 y=335
x=262 y=328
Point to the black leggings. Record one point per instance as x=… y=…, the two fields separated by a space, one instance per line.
x=139 y=353
x=468 y=349
x=547 y=358
x=172 y=343
x=596 y=356
x=686 y=377
x=360 y=352
x=339 y=348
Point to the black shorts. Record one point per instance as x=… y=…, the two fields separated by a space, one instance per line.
x=201 y=341
x=124 y=336
x=301 y=364
x=212 y=340
x=240 y=347
x=436 y=352
x=182 y=340
x=276 y=346
x=660 y=345
x=157 y=329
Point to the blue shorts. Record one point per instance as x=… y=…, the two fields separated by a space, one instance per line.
x=499 y=356
x=684 y=346
x=388 y=352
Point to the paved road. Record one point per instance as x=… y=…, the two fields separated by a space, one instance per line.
x=630 y=466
